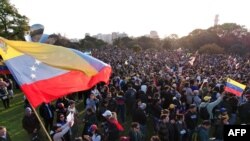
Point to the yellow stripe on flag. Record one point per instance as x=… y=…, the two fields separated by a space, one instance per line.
x=52 y=55
x=236 y=83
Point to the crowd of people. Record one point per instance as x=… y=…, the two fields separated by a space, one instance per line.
x=152 y=95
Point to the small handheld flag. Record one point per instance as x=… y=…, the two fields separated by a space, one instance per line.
x=234 y=87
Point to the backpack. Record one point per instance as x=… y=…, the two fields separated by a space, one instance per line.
x=204 y=113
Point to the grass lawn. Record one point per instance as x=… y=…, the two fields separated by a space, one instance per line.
x=12 y=119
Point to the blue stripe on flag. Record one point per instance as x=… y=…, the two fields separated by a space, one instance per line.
x=236 y=88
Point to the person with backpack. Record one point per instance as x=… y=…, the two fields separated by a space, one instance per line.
x=206 y=107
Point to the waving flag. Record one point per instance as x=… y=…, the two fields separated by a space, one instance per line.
x=191 y=60
x=46 y=72
x=234 y=87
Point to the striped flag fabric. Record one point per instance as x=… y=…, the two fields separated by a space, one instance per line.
x=234 y=87
x=46 y=72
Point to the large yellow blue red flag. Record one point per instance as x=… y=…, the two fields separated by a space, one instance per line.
x=46 y=72
x=234 y=87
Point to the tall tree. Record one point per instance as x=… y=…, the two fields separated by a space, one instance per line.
x=12 y=24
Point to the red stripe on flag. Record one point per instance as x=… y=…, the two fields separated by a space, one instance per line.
x=233 y=91
x=53 y=88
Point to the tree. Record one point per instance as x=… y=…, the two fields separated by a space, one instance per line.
x=170 y=42
x=12 y=24
x=146 y=42
x=91 y=42
x=123 y=42
x=137 y=48
x=200 y=37
x=230 y=34
x=211 y=49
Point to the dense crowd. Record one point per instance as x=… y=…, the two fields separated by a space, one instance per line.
x=152 y=95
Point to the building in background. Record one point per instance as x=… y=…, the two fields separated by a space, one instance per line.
x=109 y=38
x=216 y=20
x=153 y=34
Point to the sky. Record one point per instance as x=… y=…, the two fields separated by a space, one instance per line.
x=74 y=18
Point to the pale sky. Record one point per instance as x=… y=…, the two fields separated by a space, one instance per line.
x=74 y=18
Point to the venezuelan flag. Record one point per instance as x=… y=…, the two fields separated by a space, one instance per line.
x=46 y=72
x=234 y=87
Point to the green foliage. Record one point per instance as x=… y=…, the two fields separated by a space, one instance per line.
x=91 y=42
x=137 y=48
x=124 y=42
x=147 y=42
x=171 y=42
x=199 y=37
x=211 y=49
x=12 y=24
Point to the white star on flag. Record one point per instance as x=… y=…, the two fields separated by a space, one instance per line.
x=33 y=76
x=37 y=62
x=33 y=68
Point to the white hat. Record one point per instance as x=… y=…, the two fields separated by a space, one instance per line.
x=143 y=106
x=107 y=113
x=28 y=109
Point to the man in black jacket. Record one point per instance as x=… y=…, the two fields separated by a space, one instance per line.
x=140 y=116
x=46 y=111
x=31 y=124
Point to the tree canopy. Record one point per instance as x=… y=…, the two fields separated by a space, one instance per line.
x=12 y=24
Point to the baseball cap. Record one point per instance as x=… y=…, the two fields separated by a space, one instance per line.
x=107 y=113
x=207 y=98
x=93 y=127
x=222 y=110
x=171 y=106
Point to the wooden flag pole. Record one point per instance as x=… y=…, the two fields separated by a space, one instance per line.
x=41 y=123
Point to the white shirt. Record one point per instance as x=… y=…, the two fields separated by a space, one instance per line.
x=58 y=136
x=144 y=88
x=96 y=137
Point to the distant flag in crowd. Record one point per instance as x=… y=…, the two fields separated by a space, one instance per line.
x=234 y=87
x=237 y=66
x=4 y=69
x=46 y=72
x=191 y=60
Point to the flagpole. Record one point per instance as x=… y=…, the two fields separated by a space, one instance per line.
x=41 y=123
